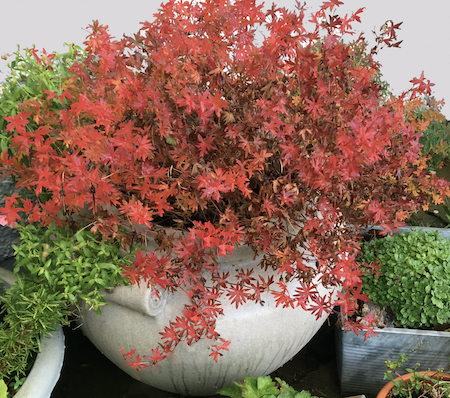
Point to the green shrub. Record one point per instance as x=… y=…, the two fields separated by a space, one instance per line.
x=55 y=269
x=30 y=75
x=436 y=143
x=263 y=386
x=414 y=277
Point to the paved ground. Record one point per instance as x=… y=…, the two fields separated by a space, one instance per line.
x=89 y=374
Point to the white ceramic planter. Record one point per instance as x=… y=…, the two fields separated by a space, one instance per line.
x=263 y=337
x=46 y=370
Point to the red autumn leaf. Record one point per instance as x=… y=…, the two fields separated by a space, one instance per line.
x=156 y=357
x=215 y=354
x=320 y=306
x=11 y=209
x=205 y=145
x=213 y=184
x=282 y=297
x=17 y=122
x=132 y=274
x=379 y=214
x=224 y=346
x=369 y=320
x=137 y=363
x=128 y=354
x=238 y=294
x=171 y=335
x=218 y=103
x=331 y=4
x=144 y=147
x=189 y=101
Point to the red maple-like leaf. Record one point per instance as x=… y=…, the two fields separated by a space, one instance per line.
x=17 y=122
x=132 y=274
x=320 y=306
x=369 y=320
x=156 y=357
x=10 y=211
x=238 y=294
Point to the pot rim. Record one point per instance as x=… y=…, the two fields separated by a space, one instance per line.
x=388 y=387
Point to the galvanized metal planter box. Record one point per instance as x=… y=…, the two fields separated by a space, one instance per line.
x=361 y=363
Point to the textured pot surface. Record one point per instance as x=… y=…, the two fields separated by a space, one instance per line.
x=46 y=370
x=262 y=337
x=388 y=387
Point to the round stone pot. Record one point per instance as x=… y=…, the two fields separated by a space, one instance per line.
x=46 y=370
x=263 y=337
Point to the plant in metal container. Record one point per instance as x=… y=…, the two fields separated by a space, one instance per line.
x=406 y=277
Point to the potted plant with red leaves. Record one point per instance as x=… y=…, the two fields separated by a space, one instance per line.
x=245 y=171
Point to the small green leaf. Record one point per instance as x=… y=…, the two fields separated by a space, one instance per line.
x=3 y=389
x=303 y=394
x=265 y=385
x=170 y=140
x=233 y=391
x=438 y=303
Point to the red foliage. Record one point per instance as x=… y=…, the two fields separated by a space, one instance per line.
x=287 y=146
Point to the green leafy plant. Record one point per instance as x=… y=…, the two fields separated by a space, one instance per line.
x=412 y=278
x=31 y=76
x=436 y=142
x=421 y=384
x=56 y=269
x=435 y=138
x=263 y=387
x=3 y=389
